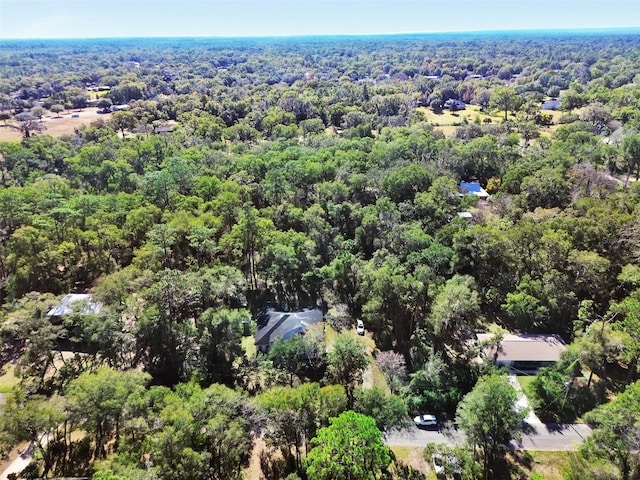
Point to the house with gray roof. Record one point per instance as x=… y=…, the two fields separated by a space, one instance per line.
x=274 y=324
x=74 y=302
x=522 y=352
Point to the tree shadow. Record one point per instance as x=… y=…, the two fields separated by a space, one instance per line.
x=557 y=427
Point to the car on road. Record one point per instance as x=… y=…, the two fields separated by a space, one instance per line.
x=360 y=327
x=426 y=421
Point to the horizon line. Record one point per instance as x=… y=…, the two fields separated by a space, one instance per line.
x=629 y=29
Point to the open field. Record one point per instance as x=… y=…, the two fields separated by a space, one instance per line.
x=447 y=121
x=56 y=126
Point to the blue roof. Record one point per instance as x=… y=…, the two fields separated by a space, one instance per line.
x=470 y=187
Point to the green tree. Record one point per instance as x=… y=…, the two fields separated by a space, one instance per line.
x=57 y=108
x=388 y=410
x=294 y=415
x=351 y=448
x=122 y=120
x=455 y=312
x=616 y=436
x=506 y=100
x=299 y=356
x=36 y=420
x=347 y=361
x=192 y=433
x=489 y=417
x=97 y=401
x=631 y=154
x=219 y=340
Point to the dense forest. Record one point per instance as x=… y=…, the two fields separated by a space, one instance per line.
x=224 y=176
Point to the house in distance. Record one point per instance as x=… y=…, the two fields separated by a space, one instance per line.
x=73 y=302
x=473 y=188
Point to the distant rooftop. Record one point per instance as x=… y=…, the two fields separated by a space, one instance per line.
x=473 y=188
x=66 y=305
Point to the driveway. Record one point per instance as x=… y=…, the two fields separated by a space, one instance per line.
x=20 y=463
x=523 y=402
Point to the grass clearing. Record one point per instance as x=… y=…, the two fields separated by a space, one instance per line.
x=525 y=381
x=55 y=125
x=470 y=114
x=378 y=378
x=249 y=346
x=413 y=456
x=548 y=465
x=8 y=380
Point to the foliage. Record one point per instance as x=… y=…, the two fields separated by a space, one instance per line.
x=347 y=362
x=617 y=434
x=351 y=448
x=389 y=411
x=247 y=174
x=489 y=417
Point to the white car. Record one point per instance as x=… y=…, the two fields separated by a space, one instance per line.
x=426 y=421
x=360 y=327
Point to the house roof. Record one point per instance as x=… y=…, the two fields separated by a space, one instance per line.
x=286 y=324
x=524 y=347
x=164 y=128
x=65 y=307
x=473 y=188
x=552 y=104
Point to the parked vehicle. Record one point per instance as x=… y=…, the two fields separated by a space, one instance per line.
x=425 y=421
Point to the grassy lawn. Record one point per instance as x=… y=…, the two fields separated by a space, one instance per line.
x=447 y=117
x=535 y=465
x=525 y=381
x=548 y=465
x=249 y=346
x=378 y=378
x=413 y=456
x=8 y=380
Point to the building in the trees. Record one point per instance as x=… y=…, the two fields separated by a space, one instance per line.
x=273 y=324
x=73 y=302
x=523 y=352
x=454 y=104
x=473 y=188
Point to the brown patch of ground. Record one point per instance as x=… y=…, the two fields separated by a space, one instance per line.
x=538 y=464
x=412 y=456
x=56 y=126
x=254 y=471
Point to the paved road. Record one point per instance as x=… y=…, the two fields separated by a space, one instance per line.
x=548 y=436
x=20 y=463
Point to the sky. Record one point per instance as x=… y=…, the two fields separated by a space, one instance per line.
x=237 y=18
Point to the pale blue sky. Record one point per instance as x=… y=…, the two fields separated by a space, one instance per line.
x=158 y=18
